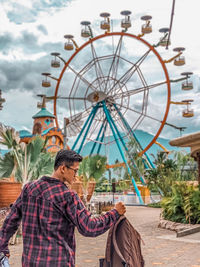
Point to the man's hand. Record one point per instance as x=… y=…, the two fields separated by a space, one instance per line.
x=120 y=207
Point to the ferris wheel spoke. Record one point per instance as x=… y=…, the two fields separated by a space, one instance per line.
x=146 y=92
x=98 y=69
x=129 y=73
x=145 y=86
x=96 y=122
x=70 y=98
x=126 y=77
x=92 y=130
x=74 y=118
x=127 y=132
x=138 y=90
x=78 y=75
x=138 y=112
x=138 y=121
x=119 y=123
x=115 y=62
x=86 y=111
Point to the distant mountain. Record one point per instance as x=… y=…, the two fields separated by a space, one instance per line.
x=113 y=153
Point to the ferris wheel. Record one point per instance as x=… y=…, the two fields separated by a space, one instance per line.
x=113 y=85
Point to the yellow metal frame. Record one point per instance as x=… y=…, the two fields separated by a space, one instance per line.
x=171 y=59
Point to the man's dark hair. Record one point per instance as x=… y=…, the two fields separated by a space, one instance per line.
x=67 y=158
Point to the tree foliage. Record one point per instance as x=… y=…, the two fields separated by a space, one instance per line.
x=169 y=170
x=135 y=162
x=183 y=205
x=92 y=167
x=26 y=162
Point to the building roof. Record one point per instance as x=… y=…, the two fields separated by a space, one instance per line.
x=24 y=133
x=43 y=113
x=186 y=140
x=190 y=140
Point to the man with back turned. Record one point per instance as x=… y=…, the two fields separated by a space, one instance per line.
x=50 y=211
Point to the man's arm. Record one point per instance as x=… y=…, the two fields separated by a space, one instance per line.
x=87 y=225
x=10 y=225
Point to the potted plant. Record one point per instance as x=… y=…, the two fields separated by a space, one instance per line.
x=78 y=186
x=91 y=170
x=23 y=162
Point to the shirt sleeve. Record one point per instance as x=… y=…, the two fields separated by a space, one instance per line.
x=85 y=223
x=10 y=225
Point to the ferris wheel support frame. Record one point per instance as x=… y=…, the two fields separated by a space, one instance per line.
x=84 y=126
x=109 y=119
x=97 y=139
x=102 y=138
x=90 y=123
x=117 y=137
x=124 y=145
x=127 y=126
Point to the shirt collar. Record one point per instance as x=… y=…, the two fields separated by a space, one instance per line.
x=52 y=180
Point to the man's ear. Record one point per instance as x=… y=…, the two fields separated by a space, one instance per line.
x=62 y=168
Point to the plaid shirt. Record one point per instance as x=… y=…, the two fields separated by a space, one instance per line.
x=49 y=213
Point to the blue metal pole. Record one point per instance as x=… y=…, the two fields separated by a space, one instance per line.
x=134 y=165
x=82 y=130
x=129 y=129
x=121 y=152
x=94 y=111
x=94 y=145
x=102 y=137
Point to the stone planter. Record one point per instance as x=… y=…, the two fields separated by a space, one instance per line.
x=78 y=187
x=85 y=195
x=181 y=229
x=9 y=192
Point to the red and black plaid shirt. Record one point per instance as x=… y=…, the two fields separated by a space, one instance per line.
x=49 y=213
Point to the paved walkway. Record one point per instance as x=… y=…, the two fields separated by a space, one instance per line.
x=161 y=247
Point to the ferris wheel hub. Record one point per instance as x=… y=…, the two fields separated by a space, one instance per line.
x=96 y=97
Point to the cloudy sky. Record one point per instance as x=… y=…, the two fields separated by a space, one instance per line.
x=31 y=29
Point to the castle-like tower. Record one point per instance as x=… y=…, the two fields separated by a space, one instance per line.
x=44 y=125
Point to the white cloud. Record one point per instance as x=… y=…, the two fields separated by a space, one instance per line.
x=18 y=109
x=61 y=19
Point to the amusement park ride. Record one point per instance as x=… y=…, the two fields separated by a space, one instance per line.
x=108 y=86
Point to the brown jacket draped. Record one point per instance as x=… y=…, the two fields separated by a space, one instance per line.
x=123 y=246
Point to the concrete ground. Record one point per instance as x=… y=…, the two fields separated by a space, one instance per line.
x=161 y=248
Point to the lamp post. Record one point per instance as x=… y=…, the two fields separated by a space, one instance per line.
x=2 y=100
x=66 y=122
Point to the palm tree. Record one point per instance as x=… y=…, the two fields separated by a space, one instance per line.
x=10 y=138
x=92 y=167
x=159 y=159
x=163 y=176
x=26 y=162
x=185 y=161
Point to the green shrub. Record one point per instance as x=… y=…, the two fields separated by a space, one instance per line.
x=184 y=204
